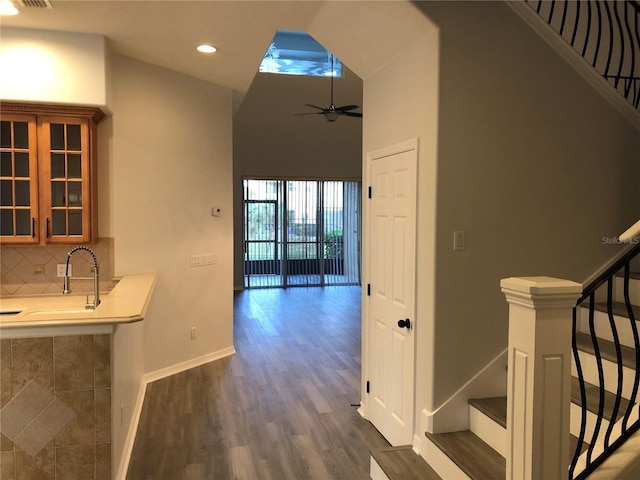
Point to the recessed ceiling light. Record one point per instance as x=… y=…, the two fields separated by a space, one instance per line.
x=206 y=48
x=7 y=8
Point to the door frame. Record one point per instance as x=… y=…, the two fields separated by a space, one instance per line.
x=394 y=149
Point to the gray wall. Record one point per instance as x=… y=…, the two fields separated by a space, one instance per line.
x=533 y=165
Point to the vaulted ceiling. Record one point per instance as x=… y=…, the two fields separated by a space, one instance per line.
x=363 y=34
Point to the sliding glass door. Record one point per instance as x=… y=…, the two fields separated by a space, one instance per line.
x=301 y=232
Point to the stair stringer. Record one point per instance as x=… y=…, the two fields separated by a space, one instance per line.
x=453 y=414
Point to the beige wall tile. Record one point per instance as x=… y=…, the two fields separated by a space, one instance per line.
x=7 y=466
x=5 y=444
x=73 y=362
x=33 y=438
x=81 y=430
x=6 y=388
x=75 y=462
x=103 y=415
x=103 y=461
x=40 y=467
x=32 y=398
x=102 y=360
x=31 y=359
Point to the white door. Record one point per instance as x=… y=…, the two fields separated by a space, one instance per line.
x=391 y=309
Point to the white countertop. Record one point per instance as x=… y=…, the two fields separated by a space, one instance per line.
x=126 y=303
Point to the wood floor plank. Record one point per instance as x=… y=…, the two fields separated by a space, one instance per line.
x=279 y=409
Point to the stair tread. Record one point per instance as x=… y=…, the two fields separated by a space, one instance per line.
x=593 y=399
x=493 y=407
x=607 y=349
x=402 y=463
x=474 y=457
x=618 y=308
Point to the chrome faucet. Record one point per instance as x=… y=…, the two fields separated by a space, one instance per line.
x=96 y=281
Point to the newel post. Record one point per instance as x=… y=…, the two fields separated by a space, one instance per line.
x=539 y=376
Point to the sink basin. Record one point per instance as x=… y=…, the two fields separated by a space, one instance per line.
x=60 y=311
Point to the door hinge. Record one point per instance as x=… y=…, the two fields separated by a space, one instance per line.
x=367 y=386
x=368 y=289
x=369 y=192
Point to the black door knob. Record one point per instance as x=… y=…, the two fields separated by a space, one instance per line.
x=404 y=323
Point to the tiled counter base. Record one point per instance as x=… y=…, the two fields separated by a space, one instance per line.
x=55 y=400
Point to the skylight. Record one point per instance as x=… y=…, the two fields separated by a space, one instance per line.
x=298 y=53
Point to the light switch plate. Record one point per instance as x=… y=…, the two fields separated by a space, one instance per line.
x=458 y=241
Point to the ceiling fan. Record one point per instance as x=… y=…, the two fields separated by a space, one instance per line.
x=331 y=113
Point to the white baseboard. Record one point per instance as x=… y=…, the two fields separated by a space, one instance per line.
x=186 y=365
x=152 y=377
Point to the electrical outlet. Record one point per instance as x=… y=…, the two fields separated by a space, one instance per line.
x=193 y=333
x=61 y=268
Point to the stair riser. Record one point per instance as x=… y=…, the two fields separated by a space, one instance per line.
x=603 y=327
x=634 y=290
x=590 y=372
x=576 y=419
x=488 y=430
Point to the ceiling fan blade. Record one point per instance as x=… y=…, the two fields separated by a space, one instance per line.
x=313 y=106
x=308 y=113
x=345 y=108
x=351 y=114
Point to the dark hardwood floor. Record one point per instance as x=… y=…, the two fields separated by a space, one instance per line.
x=280 y=408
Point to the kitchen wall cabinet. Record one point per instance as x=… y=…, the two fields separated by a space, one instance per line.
x=48 y=174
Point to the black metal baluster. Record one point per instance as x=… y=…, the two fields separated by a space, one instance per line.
x=632 y=50
x=610 y=54
x=599 y=36
x=636 y=344
x=616 y=342
x=583 y=394
x=596 y=349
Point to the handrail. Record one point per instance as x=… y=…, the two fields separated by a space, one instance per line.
x=609 y=272
x=632 y=233
x=606 y=33
x=603 y=441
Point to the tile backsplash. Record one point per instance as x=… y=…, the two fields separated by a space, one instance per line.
x=32 y=270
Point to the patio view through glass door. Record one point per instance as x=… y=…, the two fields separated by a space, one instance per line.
x=301 y=233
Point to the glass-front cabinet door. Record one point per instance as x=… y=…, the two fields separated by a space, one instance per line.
x=18 y=180
x=64 y=153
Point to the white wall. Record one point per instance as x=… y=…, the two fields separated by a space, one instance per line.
x=53 y=67
x=171 y=163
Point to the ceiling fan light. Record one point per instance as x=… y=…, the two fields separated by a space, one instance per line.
x=331 y=116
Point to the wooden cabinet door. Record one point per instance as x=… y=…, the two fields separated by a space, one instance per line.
x=18 y=180
x=65 y=179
